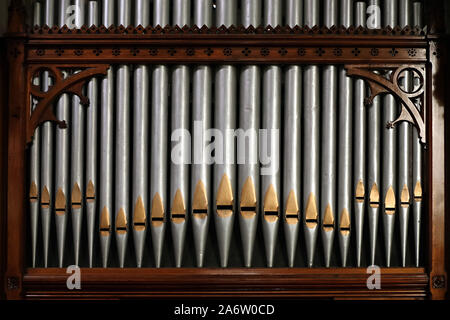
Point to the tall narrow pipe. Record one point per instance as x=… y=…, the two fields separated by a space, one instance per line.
x=140 y=142
x=271 y=121
x=62 y=173
x=405 y=146
x=249 y=118
x=359 y=145
x=201 y=171
x=34 y=160
x=202 y=119
x=179 y=168
x=122 y=145
x=329 y=139
x=77 y=152
x=159 y=141
x=388 y=195
x=417 y=159
x=106 y=147
x=311 y=127
x=47 y=152
x=224 y=188
x=345 y=146
x=373 y=159
x=91 y=189
x=292 y=141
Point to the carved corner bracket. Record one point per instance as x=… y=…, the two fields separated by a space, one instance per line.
x=412 y=101
x=72 y=84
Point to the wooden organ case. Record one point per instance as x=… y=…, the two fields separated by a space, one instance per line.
x=381 y=56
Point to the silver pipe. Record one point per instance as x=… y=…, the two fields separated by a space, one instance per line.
x=292 y=141
x=201 y=115
x=359 y=154
x=140 y=143
x=249 y=118
x=62 y=158
x=224 y=120
x=77 y=153
x=122 y=145
x=405 y=147
x=388 y=194
x=47 y=138
x=271 y=121
x=91 y=147
x=106 y=145
x=179 y=172
x=311 y=127
x=159 y=142
x=345 y=146
x=329 y=139
x=373 y=161
x=417 y=160
x=34 y=159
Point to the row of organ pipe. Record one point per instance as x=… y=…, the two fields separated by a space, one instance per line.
x=335 y=168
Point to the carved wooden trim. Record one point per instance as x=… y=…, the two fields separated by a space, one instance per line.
x=380 y=84
x=73 y=84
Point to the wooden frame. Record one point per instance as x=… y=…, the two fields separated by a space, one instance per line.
x=29 y=51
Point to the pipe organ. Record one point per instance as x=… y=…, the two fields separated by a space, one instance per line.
x=221 y=138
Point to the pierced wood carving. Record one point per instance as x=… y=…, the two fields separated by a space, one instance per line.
x=410 y=101
x=72 y=84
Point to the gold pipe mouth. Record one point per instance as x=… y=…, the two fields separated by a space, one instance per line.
x=178 y=212
x=90 y=192
x=292 y=209
x=311 y=213
x=345 y=223
x=105 y=225
x=139 y=217
x=225 y=199
x=157 y=213
x=121 y=222
x=76 y=197
x=200 y=201
x=389 y=201
x=33 y=192
x=374 y=197
x=404 y=197
x=271 y=205
x=360 y=192
x=60 y=203
x=418 y=192
x=248 y=199
x=248 y=212
x=328 y=219
x=45 y=199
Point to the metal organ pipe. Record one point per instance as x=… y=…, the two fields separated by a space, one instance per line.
x=159 y=142
x=373 y=162
x=389 y=111
x=77 y=152
x=106 y=147
x=311 y=127
x=345 y=146
x=140 y=142
x=249 y=121
x=404 y=186
x=91 y=147
x=47 y=138
x=224 y=188
x=180 y=113
x=329 y=138
x=292 y=159
x=202 y=114
x=359 y=148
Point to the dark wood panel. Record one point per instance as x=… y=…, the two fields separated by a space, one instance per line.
x=274 y=283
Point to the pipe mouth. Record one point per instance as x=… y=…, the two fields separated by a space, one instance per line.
x=248 y=212
x=328 y=227
x=311 y=223
x=292 y=218
x=345 y=231
x=178 y=217
x=200 y=213
x=271 y=216
x=224 y=211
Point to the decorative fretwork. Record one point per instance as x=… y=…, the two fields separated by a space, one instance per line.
x=390 y=83
x=73 y=84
